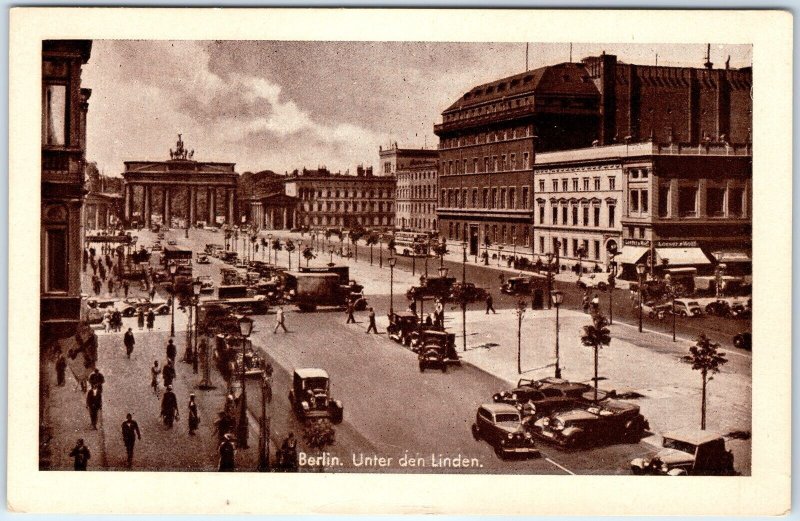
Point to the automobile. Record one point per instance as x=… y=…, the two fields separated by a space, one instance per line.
x=686 y=308
x=248 y=363
x=659 y=311
x=718 y=307
x=159 y=308
x=468 y=290
x=688 y=452
x=206 y=284
x=310 y=396
x=544 y=396
x=172 y=242
x=517 y=286
x=592 y=282
x=500 y=425
x=156 y=247
x=202 y=258
x=126 y=308
x=401 y=325
x=101 y=303
x=743 y=340
x=434 y=348
x=588 y=423
x=431 y=287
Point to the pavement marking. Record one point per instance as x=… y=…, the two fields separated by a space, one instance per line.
x=560 y=466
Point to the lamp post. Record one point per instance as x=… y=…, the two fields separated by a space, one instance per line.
x=671 y=293
x=520 y=313
x=612 y=283
x=392 y=262
x=549 y=257
x=331 y=251
x=173 y=269
x=640 y=269
x=264 y=423
x=558 y=298
x=191 y=339
x=245 y=328
x=463 y=298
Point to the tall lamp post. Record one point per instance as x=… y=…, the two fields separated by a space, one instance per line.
x=549 y=257
x=173 y=269
x=671 y=293
x=520 y=313
x=612 y=283
x=463 y=297
x=245 y=328
x=264 y=423
x=331 y=251
x=392 y=262
x=269 y=248
x=558 y=298
x=191 y=340
x=640 y=269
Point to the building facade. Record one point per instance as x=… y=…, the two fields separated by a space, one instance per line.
x=334 y=200
x=64 y=108
x=417 y=196
x=395 y=159
x=102 y=211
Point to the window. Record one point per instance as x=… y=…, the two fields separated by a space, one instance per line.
x=502 y=198
x=541 y=244
x=463 y=198
x=450 y=231
x=465 y=166
x=585 y=184
x=575 y=184
x=644 y=198
x=525 y=197
x=525 y=161
x=586 y=216
x=502 y=162
x=541 y=214
x=555 y=185
x=575 y=247
x=634 y=174
x=597 y=183
x=526 y=236
x=612 y=183
x=715 y=202
x=475 y=165
x=444 y=198
x=474 y=197
x=56 y=265
x=663 y=201
x=687 y=201
x=485 y=164
x=555 y=215
x=611 y=215
x=55 y=115
x=513 y=161
x=644 y=173
x=494 y=233
x=641 y=232
x=493 y=201
x=736 y=202
x=541 y=185
x=596 y=250
x=564 y=215
x=633 y=201
x=564 y=246
x=503 y=236
x=574 y=216
x=565 y=185
x=597 y=216
x=486 y=198
x=512 y=198
x=556 y=245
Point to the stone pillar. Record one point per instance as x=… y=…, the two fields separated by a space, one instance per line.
x=167 y=214
x=148 y=194
x=128 y=203
x=285 y=215
x=230 y=206
x=212 y=209
x=191 y=202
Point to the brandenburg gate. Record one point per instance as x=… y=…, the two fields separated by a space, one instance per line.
x=180 y=187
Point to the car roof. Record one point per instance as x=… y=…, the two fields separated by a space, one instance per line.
x=310 y=372
x=405 y=314
x=496 y=408
x=693 y=436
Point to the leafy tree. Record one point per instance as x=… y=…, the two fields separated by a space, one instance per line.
x=355 y=235
x=706 y=358
x=390 y=245
x=308 y=254
x=596 y=335
x=290 y=247
x=319 y=433
x=371 y=240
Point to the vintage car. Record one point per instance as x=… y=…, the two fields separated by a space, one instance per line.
x=589 y=423
x=401 y=326
x=172 y=242
x=688 y=452
x=310 y=396
x=501 y=426
x=468 y=291
x=431 y=287
x=543 y=397
x=687 y=308
x=206 y=284
x=434 y=348
x=743 y=340
x=592 y=282
x=202 y=258
x=250 y=362
x=517 y=286
x=657 y=311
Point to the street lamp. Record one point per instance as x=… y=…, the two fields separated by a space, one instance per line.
x=245 y=328
x=612 y=283
x=463 y=298
x=520 y=313
x=558 y=298
x=331 y=251
x=173 y=268
x=640 y=269
x=191 y=344
x=549 y=257
x=269 y=248
x=392 y=262
x=499 y=255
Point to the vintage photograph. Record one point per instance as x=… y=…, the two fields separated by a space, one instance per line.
x=396 y=257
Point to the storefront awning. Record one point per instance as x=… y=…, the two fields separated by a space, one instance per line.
x=682 y=256
x=632 y=254
x=731 y=256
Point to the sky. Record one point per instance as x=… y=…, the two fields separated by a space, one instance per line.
x=272 y=105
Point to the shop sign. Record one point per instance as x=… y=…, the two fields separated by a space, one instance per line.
x=636 y=242
x=676 y=244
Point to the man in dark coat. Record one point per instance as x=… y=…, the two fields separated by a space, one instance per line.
x=129 y=342
x=94 y=402
x=169 y=407
x=490 y=304
x=81 y=455
x=227 y=454
x=194 y=416
x=350 y=309
x=61 y=368
x=96 y=379
x=126 y=286
x=172 y=351
x=151 y=319
x=130 y=431
x=372 y=326
x=168 y=373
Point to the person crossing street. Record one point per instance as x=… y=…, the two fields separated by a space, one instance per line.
x=490 y=304
x=169 y=407
x=129 y=342
x=350 y=309
x=130 y=432
x=372 y=326
x=279 y=320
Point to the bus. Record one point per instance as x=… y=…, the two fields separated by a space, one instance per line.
x=411 y=244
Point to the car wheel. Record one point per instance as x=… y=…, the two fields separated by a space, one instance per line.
x=499 y=452
x=476 y=434
x=421 y=367
x=444 y=367
x=682 y=314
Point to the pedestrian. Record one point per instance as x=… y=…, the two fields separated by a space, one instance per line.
x=169 y=407
x=130 y=431
x=288 y=456
x=372 y=326
x=94 y=267
x=126 y=286
x=428 y=321
x=94 y=402
x=490 y=304
x=110 y=285
x=439 y=314
x=585 y=302
x=172 y=351
x=412 y=307
x=155 y=371
x=279 y=320
x=96 y=379
x=194 y=416
x=107 y=321
x=350 y=309
x=129 y=342
x=116 y=321
x=595 y=303
x=152 y=293
x=61 y=368
x=168 y=374
x=197 y=354
x=227 y=454
x=140 y=318
x=80 y=453
x=151 y=320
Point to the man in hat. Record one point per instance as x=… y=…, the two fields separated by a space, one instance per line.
x=227 y=454
x=96 y=379
x=169 y=407
x=372 y=326
x=130 y=431
x=168 y=373
x=194 y=417
x=129 y=342
x=172 y=351
x=80 y=453
x=94 y=402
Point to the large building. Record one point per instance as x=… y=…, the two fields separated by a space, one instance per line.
x=322 y=199
x=395 y=159
x=490 y=138
x=64 y=108
x=417 y=197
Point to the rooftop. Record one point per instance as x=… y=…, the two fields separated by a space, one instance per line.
x=646 y=148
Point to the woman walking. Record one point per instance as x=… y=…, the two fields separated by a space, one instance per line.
x=155 y=372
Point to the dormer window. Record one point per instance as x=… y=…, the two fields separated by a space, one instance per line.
x=527 y=79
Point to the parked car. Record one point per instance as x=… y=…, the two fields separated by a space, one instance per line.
x=468 y=290
x=431 y=287
x=687 y=308
x=592 y=282
x=172 y=242
x=401 y=325
x=658 y=311
x=310 y=396
x=517 y=286
x=434 y=348
x=688 y=452
x=202 y=258
x=500 y=425
x=743 y=340
x=206 y=284
x=543 y=397
x=610 y=420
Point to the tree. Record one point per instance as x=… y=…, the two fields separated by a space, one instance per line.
x=308 y=254
x=371 y=240
x=440 y=249
x=290 y=247
x=706 y=358
x=355 y=235
x=596 y=335
x=276 y=246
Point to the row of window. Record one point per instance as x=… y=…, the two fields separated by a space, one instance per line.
x=495 y=198
x=490 y=108
x=416 y=192
x=307 y=193
x=579 y=185
x=501 y=163
x=583 y=215
x=418 y=223
x=334 y=220
x=487 y=137
x=719 y=201
x=416 y=207
x=349 y=206
x=583 y=248
x=416 y=176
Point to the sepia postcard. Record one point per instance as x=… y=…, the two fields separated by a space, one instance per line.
x=400 y=261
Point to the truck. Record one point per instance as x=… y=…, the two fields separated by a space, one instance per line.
x=309 y=290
